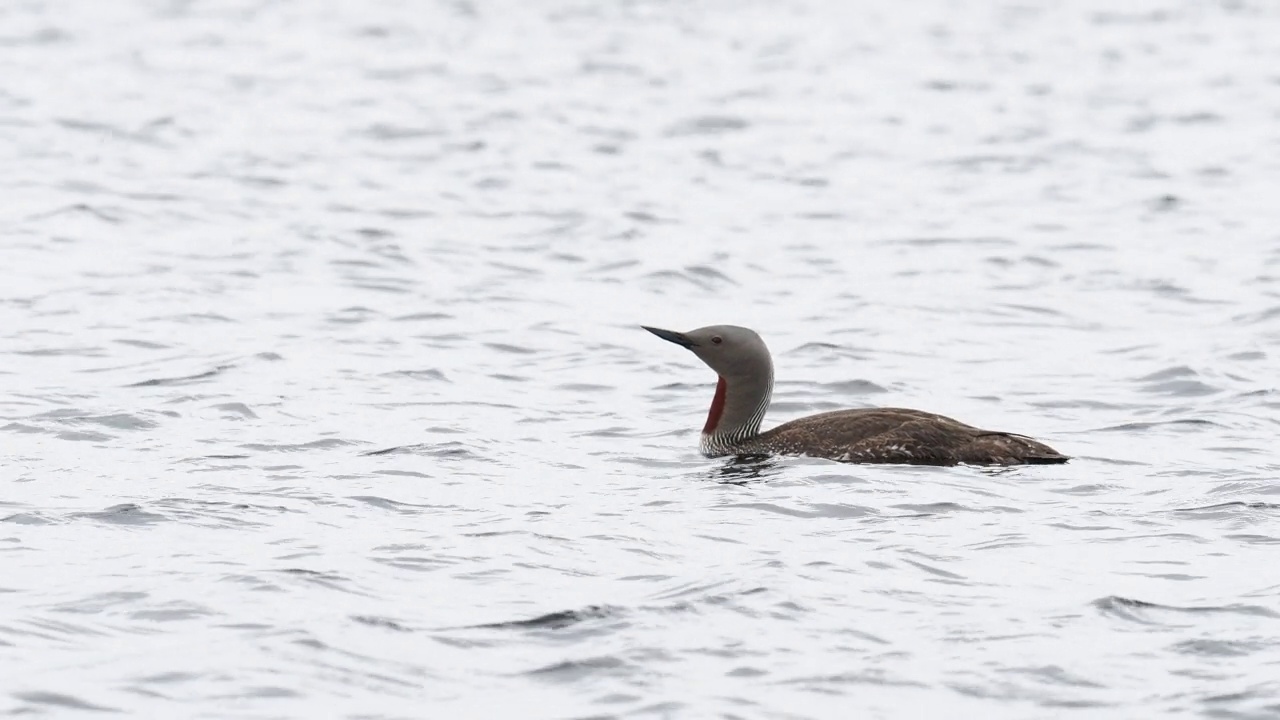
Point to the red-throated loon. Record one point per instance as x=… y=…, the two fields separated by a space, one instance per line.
x=873 y=435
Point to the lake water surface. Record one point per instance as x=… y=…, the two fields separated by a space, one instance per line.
x=323 y=392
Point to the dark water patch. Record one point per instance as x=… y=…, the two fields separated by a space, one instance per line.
x=696 y=589
x=585 y=387
x=1231 y=509
x=83 y=436
x=330 y=580
x=510 y=349
x=42 y=36
x=419 y=563
x=1000 y=542
x=117 y=421
x=423 y=316
x=661 y=277
x=826 y=351
x=352 y=315
x=1175 y=577
x=124 y=514
x=836 y=478
x=1235 y=450
x=386 y=284
x=174 y=611
x=252 y=582
x=1054 y=675
x=558 y=620
x=387 y=132
x=27 y=518
x=853 y=387
x=223 y=513
x=183 y=379
x=819 y=511
x=940 y=508
x=942 y=241
x=109 y=215
x=1265 y=316
x=325 y=444
x=934 y=570
x=1032 y=309
x=396 y=505
x=710 y=274
x=168 y=678
x=63 y=351
x=1251 y=539
x=1182 y=388
x=61 y=701
x=616 y=431
x=402 y=473
x=1184 y=424
x=235 y=409
x=431 y=374
x=452 y=450
x=194 y=318
x=1146 y=613
x=574 y=670
x=1188 y=537
x=707 y=125
x=381 y=622
x=1083 y=528
x=745 y=469
x=1088 y=489
x=507 y=377
x=1169 y=373
x=864 y=677
x=144 y=344
x=94 y=604
x=640 y=217
x=1212 y=647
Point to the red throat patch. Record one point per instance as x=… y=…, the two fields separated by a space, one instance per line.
x=717 y=407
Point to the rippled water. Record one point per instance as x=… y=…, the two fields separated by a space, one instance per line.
x=323 y=392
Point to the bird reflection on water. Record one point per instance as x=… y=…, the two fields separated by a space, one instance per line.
x=745 y=469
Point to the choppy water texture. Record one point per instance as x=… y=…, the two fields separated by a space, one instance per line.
x=323 y=393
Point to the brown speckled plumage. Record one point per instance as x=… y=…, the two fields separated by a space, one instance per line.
x=898 y=435
x=874 y=435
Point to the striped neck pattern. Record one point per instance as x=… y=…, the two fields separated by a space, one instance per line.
x=734 y=434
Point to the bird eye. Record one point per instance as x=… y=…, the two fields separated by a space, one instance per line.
x=716 y=339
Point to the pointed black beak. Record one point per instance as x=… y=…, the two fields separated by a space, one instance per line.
x=671 y=336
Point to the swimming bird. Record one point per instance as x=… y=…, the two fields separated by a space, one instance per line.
x=872 y=435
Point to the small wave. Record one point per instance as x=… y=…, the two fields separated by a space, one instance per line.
x=707 y=125
x=396 y=505
x=816 y=510
x=557 y=620
x=570 y=670
x=183 y=379
x=1143 y=612
x=451 y=450
x=1176 y=424
x=1210 y=647
x=324 y=444
x=1224 y=508
x=125 y=514
x=62 y=701
x=381 y=622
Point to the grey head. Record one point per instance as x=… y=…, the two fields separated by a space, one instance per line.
x=735 y=353
x=744 y=365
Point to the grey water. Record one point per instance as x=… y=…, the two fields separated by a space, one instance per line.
x=323 y=392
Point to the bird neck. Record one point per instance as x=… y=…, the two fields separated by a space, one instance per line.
x=736 y=412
